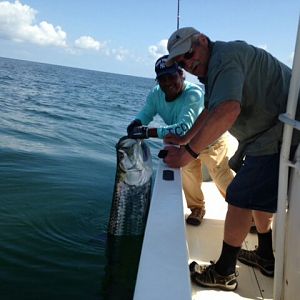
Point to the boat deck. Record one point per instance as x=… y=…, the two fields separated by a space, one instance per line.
x=205 y=242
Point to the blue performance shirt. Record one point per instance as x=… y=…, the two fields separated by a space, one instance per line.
x=179 y=115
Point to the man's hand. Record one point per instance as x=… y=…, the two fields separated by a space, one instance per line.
x=175 y=139
x=132 y=125
x=140 y=132
x=177 y=157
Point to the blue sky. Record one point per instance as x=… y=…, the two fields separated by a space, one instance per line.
x=127 y=37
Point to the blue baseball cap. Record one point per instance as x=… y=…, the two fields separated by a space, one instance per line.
x=162 y=69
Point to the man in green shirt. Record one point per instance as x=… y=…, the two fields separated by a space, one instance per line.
x=246 y=88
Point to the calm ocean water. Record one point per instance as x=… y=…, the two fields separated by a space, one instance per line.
x=58 y=129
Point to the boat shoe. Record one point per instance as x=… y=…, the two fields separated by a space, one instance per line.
x=207 y=276
x=251 y=258
x=196 y=216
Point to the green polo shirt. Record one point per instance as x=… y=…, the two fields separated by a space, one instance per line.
x=238 y=71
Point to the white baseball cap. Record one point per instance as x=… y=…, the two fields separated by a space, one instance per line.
x=180 y=42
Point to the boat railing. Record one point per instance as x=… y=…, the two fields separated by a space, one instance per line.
x=163 y=269
x=290 y=124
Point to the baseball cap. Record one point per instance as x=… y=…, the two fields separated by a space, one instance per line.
x=180 y=42
x=161 y=68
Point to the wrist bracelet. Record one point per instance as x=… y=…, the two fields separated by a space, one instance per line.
x=191 y=151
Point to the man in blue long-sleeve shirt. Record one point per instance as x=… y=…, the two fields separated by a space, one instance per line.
x=179 y=102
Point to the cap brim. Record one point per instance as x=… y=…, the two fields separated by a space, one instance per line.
x=166 y=72
x=178 y=50
x=170 y=62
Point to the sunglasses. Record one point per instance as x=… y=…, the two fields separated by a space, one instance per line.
x=188 y=55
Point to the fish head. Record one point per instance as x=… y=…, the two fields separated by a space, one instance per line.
x=134 y=161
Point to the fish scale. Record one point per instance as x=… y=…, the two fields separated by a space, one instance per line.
x=128 y=216
x=132 y=191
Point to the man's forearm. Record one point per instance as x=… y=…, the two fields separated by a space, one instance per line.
x=200 y=121
x=215 y=124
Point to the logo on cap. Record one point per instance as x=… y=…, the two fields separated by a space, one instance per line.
x=161 y=68
x=161 y=64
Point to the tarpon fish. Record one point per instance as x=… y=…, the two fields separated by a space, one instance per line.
x=128 y=216
x=132 y=191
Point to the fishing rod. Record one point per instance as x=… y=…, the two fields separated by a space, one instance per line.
x=178 y=16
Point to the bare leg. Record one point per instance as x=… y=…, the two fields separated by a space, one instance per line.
x=263 y=220
x=237 y=225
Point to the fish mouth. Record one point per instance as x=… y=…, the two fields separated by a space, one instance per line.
x=134 y=161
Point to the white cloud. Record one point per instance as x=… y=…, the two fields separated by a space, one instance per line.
x=120 y=54
x=159 y=49
x=87 y=42
x=17 y=23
